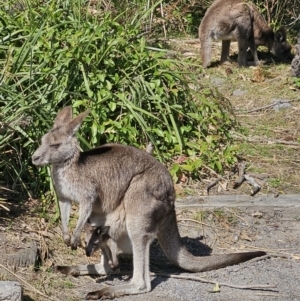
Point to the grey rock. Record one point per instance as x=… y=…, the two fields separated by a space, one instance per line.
x=239 y=92
x=281 y=104
x=10 y=291
x=17 y=255
x=217 y=81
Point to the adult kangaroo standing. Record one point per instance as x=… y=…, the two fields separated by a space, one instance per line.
x=241 y=21
x=125 y=180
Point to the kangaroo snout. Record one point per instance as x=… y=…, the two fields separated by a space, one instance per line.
x=36 y=160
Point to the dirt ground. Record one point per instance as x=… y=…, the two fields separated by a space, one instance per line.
x=210 y=227
x=269 y=146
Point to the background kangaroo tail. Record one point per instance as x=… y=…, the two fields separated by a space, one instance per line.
x=176 y=252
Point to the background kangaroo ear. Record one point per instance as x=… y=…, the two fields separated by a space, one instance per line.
x=63 y=117
x=74 y=125
x=280 y=34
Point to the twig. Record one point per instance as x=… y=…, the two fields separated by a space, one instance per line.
x=237 y=216
x=256 y=187
x=264 y=107
x=241 y=179
x=269 y=106
x=249 y=139
x=268 y=256
x=4 y=207
x=194 y=221
x=29 y=286
x=213 y=184
x=162 y=15
x=195 y=278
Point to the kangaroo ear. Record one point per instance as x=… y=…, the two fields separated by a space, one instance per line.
x=74 y=125
x=63 y=117
x=280 y=35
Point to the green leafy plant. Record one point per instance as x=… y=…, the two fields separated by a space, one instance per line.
x=59 y=53
x=297 y=82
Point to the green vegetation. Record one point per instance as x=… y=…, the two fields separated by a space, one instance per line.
x=58 y=54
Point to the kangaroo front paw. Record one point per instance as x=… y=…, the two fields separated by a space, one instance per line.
x=75 y=243
x=67 y=239
x=102 y=294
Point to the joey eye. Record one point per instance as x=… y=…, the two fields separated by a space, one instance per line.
x=55 y=145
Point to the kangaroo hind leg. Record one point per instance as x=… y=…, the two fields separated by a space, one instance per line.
x=141 y=239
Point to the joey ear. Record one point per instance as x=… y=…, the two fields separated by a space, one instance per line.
x=74 y=124
x=63 y=116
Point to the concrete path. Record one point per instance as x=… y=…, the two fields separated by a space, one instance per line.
x=214 y=201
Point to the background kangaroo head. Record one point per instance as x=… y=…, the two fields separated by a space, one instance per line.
x=60 y=143
x=95 y=238
x=281 y=48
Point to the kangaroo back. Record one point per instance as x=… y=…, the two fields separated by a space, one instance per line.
x=241 y=21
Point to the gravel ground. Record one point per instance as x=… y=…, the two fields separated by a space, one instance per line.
x=215 y=224
x=275 y=229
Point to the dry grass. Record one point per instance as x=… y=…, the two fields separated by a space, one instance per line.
x=269 y=142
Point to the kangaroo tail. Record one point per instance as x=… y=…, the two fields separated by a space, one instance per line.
x=176 y=252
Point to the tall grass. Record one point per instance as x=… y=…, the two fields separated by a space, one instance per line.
x=57 y=53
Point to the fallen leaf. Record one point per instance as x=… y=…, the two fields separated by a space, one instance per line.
x=216 y=288
x=245 y=236
x=257 y=214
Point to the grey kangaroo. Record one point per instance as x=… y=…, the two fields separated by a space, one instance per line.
x=125 y=185
x=241 y=21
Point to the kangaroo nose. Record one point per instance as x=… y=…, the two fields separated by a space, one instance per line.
x=87 y=253
x=34 y=158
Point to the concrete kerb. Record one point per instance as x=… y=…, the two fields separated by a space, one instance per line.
x=215 y=201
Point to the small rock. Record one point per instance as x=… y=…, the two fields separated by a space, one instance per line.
x=239 y=92
x=217 y=81
x=10 y=291
x=281 y=104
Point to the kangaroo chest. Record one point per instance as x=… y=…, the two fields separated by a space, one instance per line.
x=68 y=187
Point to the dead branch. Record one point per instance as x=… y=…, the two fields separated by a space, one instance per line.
x=194 y=221
x=241 y=179
x=268 y=256
x=268 y=106
x=213 y=184
x=256 y=188
x=255 y=140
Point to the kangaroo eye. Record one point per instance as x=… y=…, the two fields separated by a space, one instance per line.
x=56 y=145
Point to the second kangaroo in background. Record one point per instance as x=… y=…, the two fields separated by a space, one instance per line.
x=241 y=21
x=129 y=190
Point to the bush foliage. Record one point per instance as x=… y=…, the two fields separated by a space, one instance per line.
x=59 y=53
